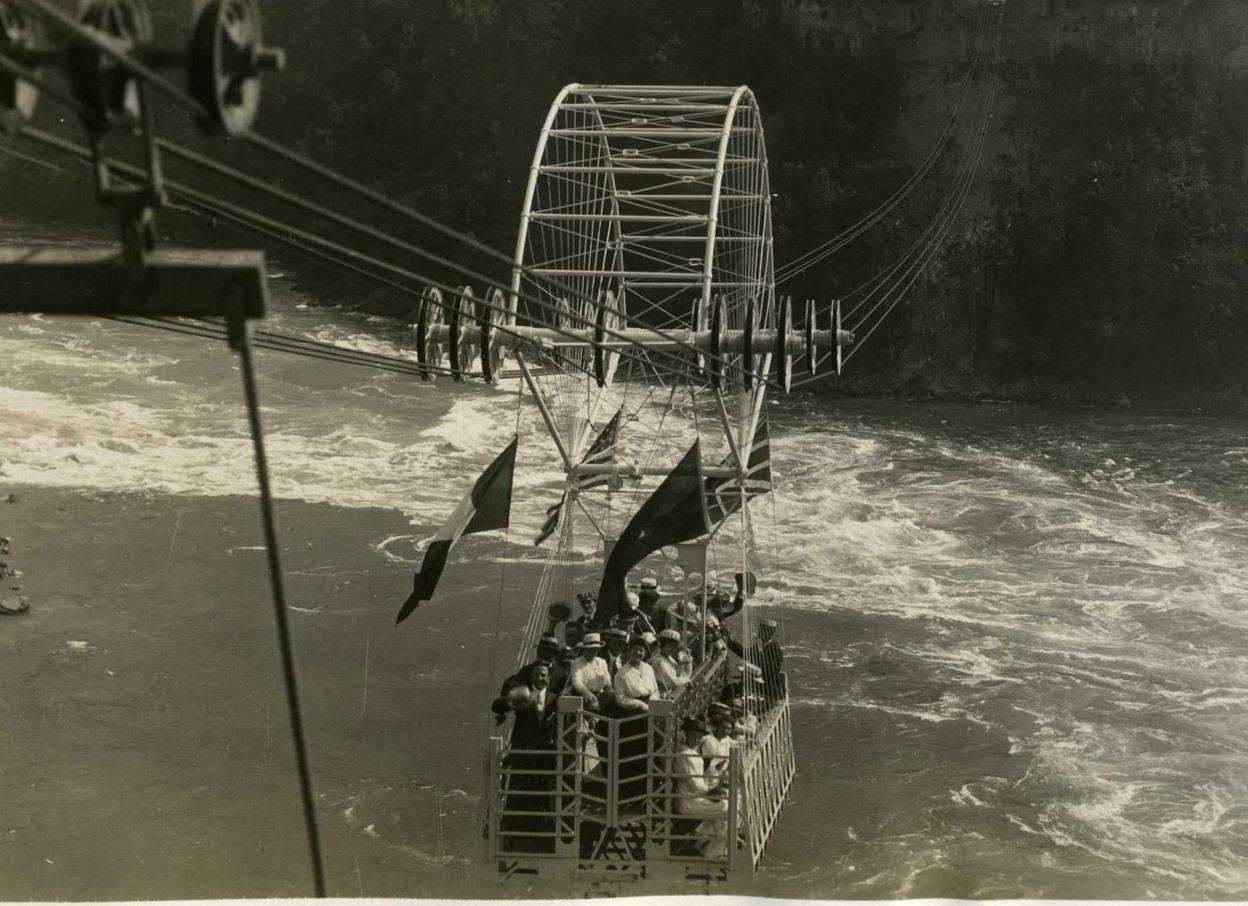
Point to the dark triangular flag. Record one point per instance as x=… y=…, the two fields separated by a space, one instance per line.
x=723 y=495
x=675 y=512
x=485 y=508
x=602 y=451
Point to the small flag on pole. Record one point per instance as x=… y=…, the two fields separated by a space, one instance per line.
x=601 y=452
x=723 y=495
x=485 y=508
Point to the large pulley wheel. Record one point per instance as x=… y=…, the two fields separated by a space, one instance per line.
x=812 y=352
x=493 y=317
x=108 y=92
x=428 y=319
x=749 y=329
x=717 y=342
x=836 y=324
x=225 y=58
x=459 y=343
x=701 y=321
x=607 y=319
x=17 y=98
x=781 y=357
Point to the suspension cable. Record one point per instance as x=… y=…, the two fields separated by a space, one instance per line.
x=171 y=91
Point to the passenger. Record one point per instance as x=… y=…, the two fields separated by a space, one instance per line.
x=747 y=584
x=634 y=681
x=548 y=652
x=528 y=763
x=673 y=667
x=716 y=745
x=649 y=595
x=745 y=725
x=768 y=656
x=634 y=687
x=577 y=628
x=631 y=618
x=589 y=677
x=616 y=640
x=698 y=795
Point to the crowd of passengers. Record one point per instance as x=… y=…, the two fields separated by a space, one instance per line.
x=647 y=651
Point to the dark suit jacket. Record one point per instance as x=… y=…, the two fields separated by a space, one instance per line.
x=532 y=730
x=523 y=677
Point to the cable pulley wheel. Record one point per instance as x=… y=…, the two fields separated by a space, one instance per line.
x=491 y=318
x=107 y=90
x=715 y=350
x=812 y=354
x=748 y=330
x=225 y=59
x=836 y=323
x=428 y=318
x=606 y=319
x=782 y=358
x=701 y=319
x=459 y=347
x=17 y=98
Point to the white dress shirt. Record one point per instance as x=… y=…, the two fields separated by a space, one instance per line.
x=634 y=683
x=589 y=676
x=669 y=672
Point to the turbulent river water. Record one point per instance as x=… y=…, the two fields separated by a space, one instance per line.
x=1018 y=637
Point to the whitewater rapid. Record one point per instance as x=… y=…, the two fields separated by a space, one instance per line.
x=1074 y=581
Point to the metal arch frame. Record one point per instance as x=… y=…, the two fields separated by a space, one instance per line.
x=677 y=118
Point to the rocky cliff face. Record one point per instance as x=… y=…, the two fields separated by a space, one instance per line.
x=940 y=31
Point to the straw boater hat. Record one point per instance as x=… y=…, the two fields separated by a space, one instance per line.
x=549 y=642
x=615 y=633
x=649 y=582
x=669 y=635
x=591 y=640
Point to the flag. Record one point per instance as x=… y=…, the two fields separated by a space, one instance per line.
x=601 y=452
x=675 y=512
x=723 y=495
x=485 y=508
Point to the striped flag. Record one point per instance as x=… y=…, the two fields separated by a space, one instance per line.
x=723 y=495
x=486 y=507
x=601 y=452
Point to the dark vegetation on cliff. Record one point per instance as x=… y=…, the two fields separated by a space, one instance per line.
x=1104 y=255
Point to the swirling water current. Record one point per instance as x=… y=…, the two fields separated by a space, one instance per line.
x=1017 y=637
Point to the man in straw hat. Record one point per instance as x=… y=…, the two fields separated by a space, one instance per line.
x=648 y=597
